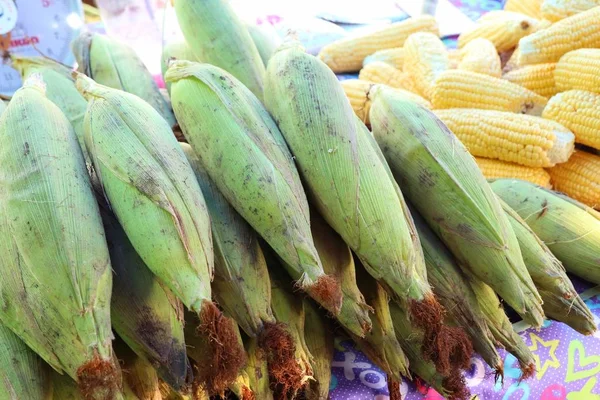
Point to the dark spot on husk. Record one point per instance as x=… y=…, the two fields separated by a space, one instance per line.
x=426 y=178
x=544 y=209
x=26 y=149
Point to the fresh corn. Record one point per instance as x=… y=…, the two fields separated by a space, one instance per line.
x=426 y=57
x=174 y=51
x=527 y=7
x=504 y=30
x=381 y=72
x=257 y=370
x=139 y=375
x=241 y=285
x=393 y=57
x=57 y=277
x=347 y=55
x=579 y=111
x=555 y=10
x=434 y=168
x=550 y=44
x=480 y=55
x=513 y=61
x=241 y=387
x=579 y=69
x=467 y=89
x=266 y=39
x=453 y=58
x=493 y=169
x=152 y=189
x=569 y=229
x=319 y=340
x=116 y=65
x=217 y=36
x=168 y=393
x=242 y=150
x=550 y=278
x=358 y=90
x=522 y=139
x=579 y=178
x=539 y=78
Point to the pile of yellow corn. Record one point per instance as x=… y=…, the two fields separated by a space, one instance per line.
x=195 y=251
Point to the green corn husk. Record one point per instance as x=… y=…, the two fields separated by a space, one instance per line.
x=381 y=345
x=338 y=262
x=241 y=285
x=138 y=374
x=241 y=387
x=318 y=333
x=243 y=152
x=174 y=51
x=452 y=289
x=452 y=386
x=501 y=327
x=145 y=314
x=561 y=300
x=217 y=36
x=265 y=38
x=441 y=178
x=168 y=393
x=257 y=370
x=23 y=374
x=56 y=276
x=570 y=229
x=65 y=388
x=152 y=189
x=116 y=65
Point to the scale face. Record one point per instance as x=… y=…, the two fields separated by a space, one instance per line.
x=49 y=25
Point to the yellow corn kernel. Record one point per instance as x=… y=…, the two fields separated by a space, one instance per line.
x=550 y=44
x=527 y=7
x=480 y=55
x=347 y=55
x=426 y=57
x=522 y=139
x=380 y=72
x=358 y=91
x=467 y=89
x=453 y=58
x=579 y=178
x=555 y=10
x=579 y=69
x=538 y=78
x=394 y=57
x=579 y=111
x=504 y=29
x=494 y=169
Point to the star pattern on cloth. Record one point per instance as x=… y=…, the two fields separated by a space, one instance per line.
x=551 y=361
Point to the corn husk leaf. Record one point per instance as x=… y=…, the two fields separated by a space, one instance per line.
x=138 y=374
x=265 y=39
x=319 y=337
x=257 y=370
x=174 y=51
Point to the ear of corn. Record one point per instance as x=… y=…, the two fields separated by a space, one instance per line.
x=493 y=169
x=538 y=78
x=393 y=57
x=381 y=72
x=527 y=7
x=116 y=65
x=319 y=341
x=257 y=370
x=23 y=374
x=241 y=285
x=569 y=229
x=480 y=55
x=579 y=69
x=434 y=168
x=243 y=152
x=138 y=374
x=217 y=36
x=579 y=178
x=426 y=57
x=265 y=38
x=550 y=278
x=555 y=10
x=522 y=139
x=503 y=29
x=241 y=387
x=513 y=61
x=174 y=51
x=57 y=278
x=168 y=393
x=549 y=45
x=467 y=89
x=347 y=55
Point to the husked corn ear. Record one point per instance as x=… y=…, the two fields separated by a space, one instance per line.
x=140 y=376
x=493 y=169
x=243 y=152
x=257 y=370
x=579 y=69
x=467 y=89
x=453 y=58
x=504 y=29
x=513 y=60
x=549 y=45
x=480 y=55
x=347 y=55
x=358 y=90
x=522 y=139
x=394 y=57
x=426 y=57
x=570 y=229
x=579 y=178
x=56 y=291
x=538 y=78
x=579 y=111
x=434 y=168
x=527 y=7
x=319 y=337
x=555 y=10
x=116 y=65
x=217 y=36
x=380 y=72
x=174 y=51
x=550 y=278
x=265 y=38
